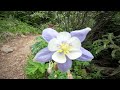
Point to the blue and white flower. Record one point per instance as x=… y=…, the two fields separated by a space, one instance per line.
x=64 y=47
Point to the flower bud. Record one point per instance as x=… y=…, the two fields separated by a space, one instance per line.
x=55 y=76
x=69 y=75
x=49 y=70
x=55 y=66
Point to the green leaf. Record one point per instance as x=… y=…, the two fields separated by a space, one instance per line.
x=86 y=64
x=100 y=49
x=113 y=53
x=83 y=72
x=31 y=70
x=42 y=69
x=36 y=64
x=116 y=71
x=46 y=66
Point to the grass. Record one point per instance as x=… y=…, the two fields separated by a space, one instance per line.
x=10 y=27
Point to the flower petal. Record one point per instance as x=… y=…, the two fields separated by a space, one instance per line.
x=74 y=54
x=53 y=44
x=43 y=55
x=81 y=34
x=49 y=34
x=65 y=66
x=63 y=36
x=59 y=57
x=75 y=43
x=86 y=55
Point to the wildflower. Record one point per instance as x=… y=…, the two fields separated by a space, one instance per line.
x=64 y=47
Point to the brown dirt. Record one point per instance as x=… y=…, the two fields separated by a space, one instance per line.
x=12 y=64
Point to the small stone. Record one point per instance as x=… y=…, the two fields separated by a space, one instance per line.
x=15 y=78
x=6 y=49
x=15 y=48
x=23 y=35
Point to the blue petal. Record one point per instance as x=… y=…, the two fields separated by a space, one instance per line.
x=43 y=55
x=81 y=34
x=86 y=55
x=65 y=66
x=49 y=34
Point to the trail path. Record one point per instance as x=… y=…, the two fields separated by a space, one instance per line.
x=12 y=64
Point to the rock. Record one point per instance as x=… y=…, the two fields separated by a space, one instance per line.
x=6 y=49
x=23 y=36
x=14 y=48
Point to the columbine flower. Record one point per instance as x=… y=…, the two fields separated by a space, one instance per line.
x=64 y=47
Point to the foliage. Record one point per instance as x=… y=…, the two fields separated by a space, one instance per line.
x=71 y=20
x=57 y=75
x=14 y=26
x=67 y=20
x=79 y=70
x=35 y=70
x=109 y=45
x=40 y=44
x=107 y=42
x=85 y=70
x=116 y=19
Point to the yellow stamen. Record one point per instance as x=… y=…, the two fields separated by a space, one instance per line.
x=65 y=48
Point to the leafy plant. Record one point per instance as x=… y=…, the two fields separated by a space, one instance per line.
x=72 y=20
x=85 y=70
x=104 y=44
x=40 y=44
x=35 y=70
x=17 y=27
x=57 y=75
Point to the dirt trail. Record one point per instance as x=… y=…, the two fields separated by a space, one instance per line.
x=12 y=64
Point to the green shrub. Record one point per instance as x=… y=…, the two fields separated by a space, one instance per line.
x=17 y=27
x=40 y=44
x=107 y=42
x=35 y=70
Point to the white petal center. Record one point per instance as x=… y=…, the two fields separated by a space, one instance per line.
x=53 y=45
x=59 y=57
x=63 y=36
x=74 y=54
x=75 y=43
